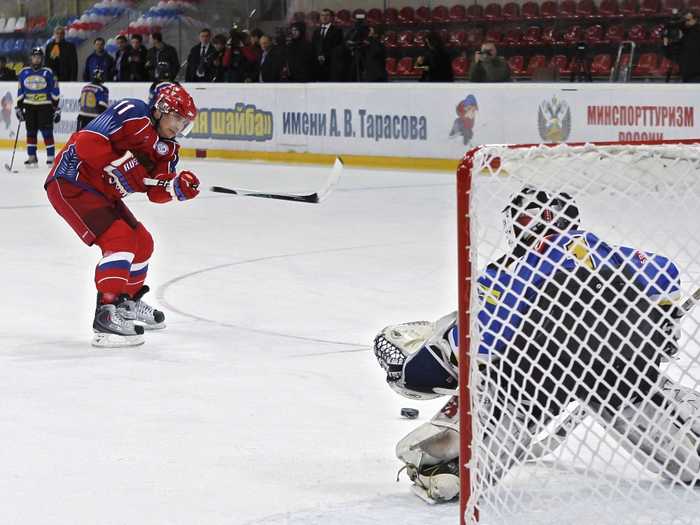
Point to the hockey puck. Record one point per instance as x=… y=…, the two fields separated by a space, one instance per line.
x=409 y=413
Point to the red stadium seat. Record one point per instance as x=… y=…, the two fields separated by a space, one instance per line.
x=406 y=39
x=615 y=34
x=474 y=37
x=493 y=12
x=567 y=9
x=390 y=66
x=511 y=11
x=657 y=33
x=475 y=12
x=594 y=34
x=512 y=37
x=530 y=10
x=561 y=64
x=407 y=15
x=662 y=69
x=458 y=13
x=536 y=62
x=549 y=9
x=586 y=9
x=390 y=39
x=533 y=36
x=628 y=7
x=423 y=14
x=419 y=38
x=693 y=5
x=458 y=38
x=440 y=14
x=573 y=34
x=343 y=17
x=375 y=17
x=493 y=35
x=670 y=5
x=648 y=62
x=550 y=36
x=517 y=65
x=637 y=33
x=649 y=7
x=444 y=36
x=405 y=67
x=609 y=9
x=391 y=16
x=460 y=66
x=601 y=65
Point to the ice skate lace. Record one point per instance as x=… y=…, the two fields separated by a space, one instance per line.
x=138 y=310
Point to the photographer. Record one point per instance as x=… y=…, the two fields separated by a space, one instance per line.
x=237 y=67
x=217 y=59
x=581 y=64
x=689 y=57
x=488 y=66
x=375 y=58
x=356 y=45
x=435 y=62
x=161 y=53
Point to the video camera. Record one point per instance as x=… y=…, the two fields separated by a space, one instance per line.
x=357 y=36
x=673 y=29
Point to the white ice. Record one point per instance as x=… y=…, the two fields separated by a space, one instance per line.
x=261 y=403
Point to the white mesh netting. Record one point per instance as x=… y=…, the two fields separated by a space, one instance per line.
x=584 y=352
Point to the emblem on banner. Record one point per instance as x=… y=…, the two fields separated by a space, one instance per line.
x=463 y=125
x=554 y=120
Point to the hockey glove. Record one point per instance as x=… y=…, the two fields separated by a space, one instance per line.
x=57 y=116
x=126 y=175
x=183 y=187
x=19 y=111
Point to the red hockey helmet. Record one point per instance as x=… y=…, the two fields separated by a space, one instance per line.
x=175 y=99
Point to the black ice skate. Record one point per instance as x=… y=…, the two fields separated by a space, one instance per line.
x=31 y=162
x=112 y=330
x=136 y=310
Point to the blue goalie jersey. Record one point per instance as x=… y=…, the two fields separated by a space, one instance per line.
x=37 y=87
x=507 y=296
x=94 y=99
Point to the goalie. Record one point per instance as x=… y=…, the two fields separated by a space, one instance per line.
x=565 y=319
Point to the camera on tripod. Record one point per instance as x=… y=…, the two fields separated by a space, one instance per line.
x=673 y=29
x=357 y=37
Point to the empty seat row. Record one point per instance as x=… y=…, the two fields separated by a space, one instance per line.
x=510 y=11
x=532 y=36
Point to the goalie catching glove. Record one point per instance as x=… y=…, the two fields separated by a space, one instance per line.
x=183 y=186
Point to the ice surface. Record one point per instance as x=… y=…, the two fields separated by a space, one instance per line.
x=261 y=402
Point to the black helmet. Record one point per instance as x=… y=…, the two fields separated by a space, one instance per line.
x=37 y=51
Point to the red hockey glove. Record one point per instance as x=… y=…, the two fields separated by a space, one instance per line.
x=126 y=174
x=183 y=187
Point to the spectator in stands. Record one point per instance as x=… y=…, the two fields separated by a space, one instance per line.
x=251 y=45
x=236 y=65
x=99 y=59
x=300 y=55
x=199 y=59
x=61 y=56
x=159 y=53
x=689 y=61
x=327 y=42
x=121 y=60
x=137 y=60
x=271 y=61
x=375 y=58
x=435 y=62
x=488 y=66
x=5 y=72
x=217 y=63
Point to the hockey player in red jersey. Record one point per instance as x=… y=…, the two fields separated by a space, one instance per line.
x=130 y=148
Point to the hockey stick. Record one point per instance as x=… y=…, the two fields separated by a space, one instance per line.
x=8 y=167
x=312 y=198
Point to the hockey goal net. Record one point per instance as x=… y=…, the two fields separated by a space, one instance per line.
x=579 y=338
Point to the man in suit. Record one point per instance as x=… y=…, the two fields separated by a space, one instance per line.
x=121 y=60
x=162 y=53
x=137 y=60
x=325 y=41
x=271 y=61
x=200 y=59
x=61 y=56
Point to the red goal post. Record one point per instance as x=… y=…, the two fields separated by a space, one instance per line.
x=486 y=178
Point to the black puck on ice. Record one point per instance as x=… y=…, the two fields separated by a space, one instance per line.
x=409 y=413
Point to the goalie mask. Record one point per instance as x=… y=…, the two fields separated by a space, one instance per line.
x=533 y=214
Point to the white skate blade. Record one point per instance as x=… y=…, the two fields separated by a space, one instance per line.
x=102 y=340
